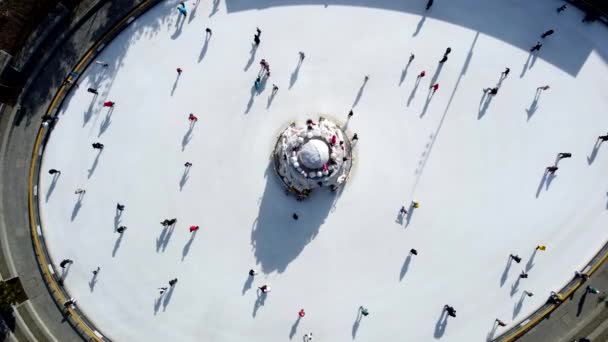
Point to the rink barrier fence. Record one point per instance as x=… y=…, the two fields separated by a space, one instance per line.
x=81 y=324
x=567 y=291
x=78 y=320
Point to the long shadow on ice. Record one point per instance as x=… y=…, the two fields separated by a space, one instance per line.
x=276 y=238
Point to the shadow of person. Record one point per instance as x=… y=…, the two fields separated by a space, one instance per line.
x=250 y=102
x=404 y=73
x=117 y=219
x=505 y=273
x=492 y=332
x=356 y=324
x=515 y=287
x=359 y=93
x=89 y=112
x=441 y=324
x=594 y=151
x=486 y=104
x=167 y=237
x=215 y=8
x=157 y=302
x=247 y=285
x=581 y=303
x=419 y=26
x=161 y=239
x=188 y=244
x=294 y=328
x=519 y=305
x=436 y=75
x=167 y=297
x=117 y=244
x=259 y=302
x=64 y=272
x=550 y=178
x=413 y=93
x=77 y=207
x=275 y=239
x=184 y=178
x=175 y=84
x=52 y=186
x=530 y=262
x=270 y=99
x=294 y=75
x=525 y=67
x=107 y=120
x=252 y=52
x=179 y=24
x=187 y=137
x=429 y=97
x=408 y=216
x=93 y=281
x=193 y=12
x=405 y=267
x=542 y=182
x=533 y=107
x=204 y=49
x=94 y=166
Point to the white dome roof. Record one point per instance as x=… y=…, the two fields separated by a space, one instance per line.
x=314 y=154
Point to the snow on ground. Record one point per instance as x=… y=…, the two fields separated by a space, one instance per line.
x=476 y=168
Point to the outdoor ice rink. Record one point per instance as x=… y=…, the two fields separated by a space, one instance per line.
x=475 y=164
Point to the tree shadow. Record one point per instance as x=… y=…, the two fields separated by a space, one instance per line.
x=93 y=281
x=95 y=163
x=294 y=327
x=405 y=267
x=294 y=75
x=359 y=93
x=117 y=244
x=247 y=285
x=187 y=246
x=594 y=151
x=356 y=324
x=581 y=304
x=76 y=208
x=505 y=273
x=252 y=52
x=419 y=25
x=259 y=302
x=107 y=120
x=275 y=239
x=167 y=297
x=541 y=183
x=184 y=178
x=215 y=8
x=52 y=186
x=441 y=324
x=204 y=49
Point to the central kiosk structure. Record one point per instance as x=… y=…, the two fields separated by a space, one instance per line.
x=311 y=156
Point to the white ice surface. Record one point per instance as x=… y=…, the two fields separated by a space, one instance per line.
x=476 y=178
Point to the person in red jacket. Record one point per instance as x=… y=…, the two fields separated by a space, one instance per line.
x=421 y=75
x=193 y=228
x=192 y=117
x=435 y=87
x=108 y=104
x=302 y=313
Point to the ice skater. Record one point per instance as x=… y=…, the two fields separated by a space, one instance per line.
x=172 y=282
x=193 y=228
x=491 y=91
x=603 y=138
x=192 y=118
x=54 y=172
x=257 y=84
x=443 y=59
x=402 y=211
x=364 y=311
x=350 y=114
x=256 y=37
x=172 y=221
x=536 y=47
x=301 y=313
x=355 y=137
x=500 y=323
x=97 y=145
x=93 y=91
x=591 y=289
x=528 y=293
x=102 y=63
x=435 y=87
x=208 y=33
x=308 y=337
x=541 y=247
x=302 y=56
x=162 y=289
x=542 y=88
x=120 y=207
x=253 y=272
x=415 y=204
x=429 y=4
x=166 y=223
x=413 y=251
x=411 y=59
x=523 y=275
x=547 y=34
x=551 y=169
x=451 y=311
x=275 y=89
x=295 y=216
x=80 y=191
x=563 y=155
x=366 y=78
x=421 y=75
x=264 y=288
x=447 y=51
x=179 y=71
x=515 y=258
x=69 y=302
x=121 y=229
x=109 y=104
x=561 y=8
x=505 y=73
x=95 y=271
x=182 y=9
x=66 y=262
